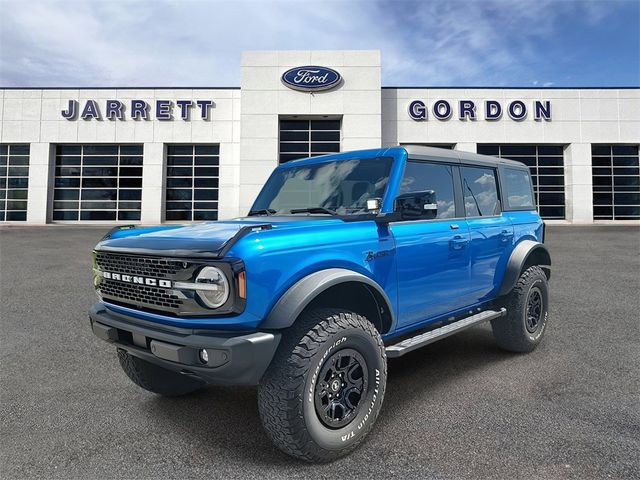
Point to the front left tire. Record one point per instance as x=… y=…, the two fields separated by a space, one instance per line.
x=324 y=389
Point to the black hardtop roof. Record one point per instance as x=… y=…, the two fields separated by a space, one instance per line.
x=421 y=152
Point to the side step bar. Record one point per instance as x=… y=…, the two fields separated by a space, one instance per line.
x=413 y=343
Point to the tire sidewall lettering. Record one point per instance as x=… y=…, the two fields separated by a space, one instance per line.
x=316 y=371
x=372 y=404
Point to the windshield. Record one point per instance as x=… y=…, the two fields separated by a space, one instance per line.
x=342 y=187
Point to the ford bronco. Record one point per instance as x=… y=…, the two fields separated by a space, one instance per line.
x=344 y=261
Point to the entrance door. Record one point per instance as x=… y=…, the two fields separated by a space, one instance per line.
x=432 y=255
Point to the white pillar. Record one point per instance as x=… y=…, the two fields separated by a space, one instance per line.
x=467 y=147
x=229 y=182
x=153 y=182
x=41 y=181
x=578 y=183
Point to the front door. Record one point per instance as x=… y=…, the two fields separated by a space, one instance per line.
x=432 y=256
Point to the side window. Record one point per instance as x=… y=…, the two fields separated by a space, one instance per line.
x=518 y=188
x=420 y=176
x=480 y=191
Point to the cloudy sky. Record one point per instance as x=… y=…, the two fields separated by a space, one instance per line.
x=423 y=43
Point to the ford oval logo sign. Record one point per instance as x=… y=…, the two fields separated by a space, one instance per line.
x=311 y=78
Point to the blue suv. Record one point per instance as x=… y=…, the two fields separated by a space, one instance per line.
x=344 y=261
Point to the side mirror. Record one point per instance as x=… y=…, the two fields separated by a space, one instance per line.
x=417 y=205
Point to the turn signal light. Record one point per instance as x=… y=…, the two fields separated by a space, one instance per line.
x=242 y=285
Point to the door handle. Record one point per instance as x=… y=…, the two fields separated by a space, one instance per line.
x=505 y=235
x=458 y=242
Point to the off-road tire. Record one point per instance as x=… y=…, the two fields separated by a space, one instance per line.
x=154 y=378
x=288 y=392
x=511 y=331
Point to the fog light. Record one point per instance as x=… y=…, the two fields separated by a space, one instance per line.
x=204 y=356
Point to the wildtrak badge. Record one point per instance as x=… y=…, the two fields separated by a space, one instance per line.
x=311 y=78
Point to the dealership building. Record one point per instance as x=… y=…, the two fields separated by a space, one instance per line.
x=154 y=155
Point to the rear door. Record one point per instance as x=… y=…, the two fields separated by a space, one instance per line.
x=491 y=232
x=432 y=255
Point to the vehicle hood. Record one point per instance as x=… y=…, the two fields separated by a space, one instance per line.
x=207 y=239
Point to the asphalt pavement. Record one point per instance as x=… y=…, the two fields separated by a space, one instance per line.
x=460 y=408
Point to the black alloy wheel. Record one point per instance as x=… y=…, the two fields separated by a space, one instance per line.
x=534 y=309
x=342 y=383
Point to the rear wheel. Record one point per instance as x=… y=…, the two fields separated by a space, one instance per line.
x=156 y=379
x=325 y=386
x=527 y=306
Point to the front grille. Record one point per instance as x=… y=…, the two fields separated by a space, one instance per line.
x=159 y=297
x=139 y=295
x=145 y=266
x=148 y=283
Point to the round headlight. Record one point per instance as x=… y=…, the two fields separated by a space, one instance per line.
x=212 y=287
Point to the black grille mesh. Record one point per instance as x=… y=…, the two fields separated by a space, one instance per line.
x=145 y=266
x=140 y=294
x=135 y=293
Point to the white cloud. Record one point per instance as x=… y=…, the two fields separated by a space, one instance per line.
x=198 y=43
x=485 y=179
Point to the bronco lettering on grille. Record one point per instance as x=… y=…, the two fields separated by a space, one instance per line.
x=152 y=282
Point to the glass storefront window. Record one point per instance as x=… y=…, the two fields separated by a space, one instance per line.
x=616 y=182
x=308 y=138
x=192 y=182
x=98 y=182
x=14 y=182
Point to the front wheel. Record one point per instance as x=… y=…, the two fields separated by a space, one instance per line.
x=527 y=312
x=324 y=389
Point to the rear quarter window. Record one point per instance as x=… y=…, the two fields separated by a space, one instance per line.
x=517 y=184
x=480 y=191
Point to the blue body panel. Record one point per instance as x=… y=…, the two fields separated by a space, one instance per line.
x=197 y=238
x=490 y=248
x=431 y=269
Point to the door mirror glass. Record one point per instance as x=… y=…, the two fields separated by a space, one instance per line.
x=417 y=205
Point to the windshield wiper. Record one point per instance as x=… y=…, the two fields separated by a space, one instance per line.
x=262 y=211
x=314 y=210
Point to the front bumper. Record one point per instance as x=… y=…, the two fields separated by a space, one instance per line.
x=234 y=359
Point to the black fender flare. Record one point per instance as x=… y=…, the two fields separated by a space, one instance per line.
x=523 y=252
x=291 y=304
